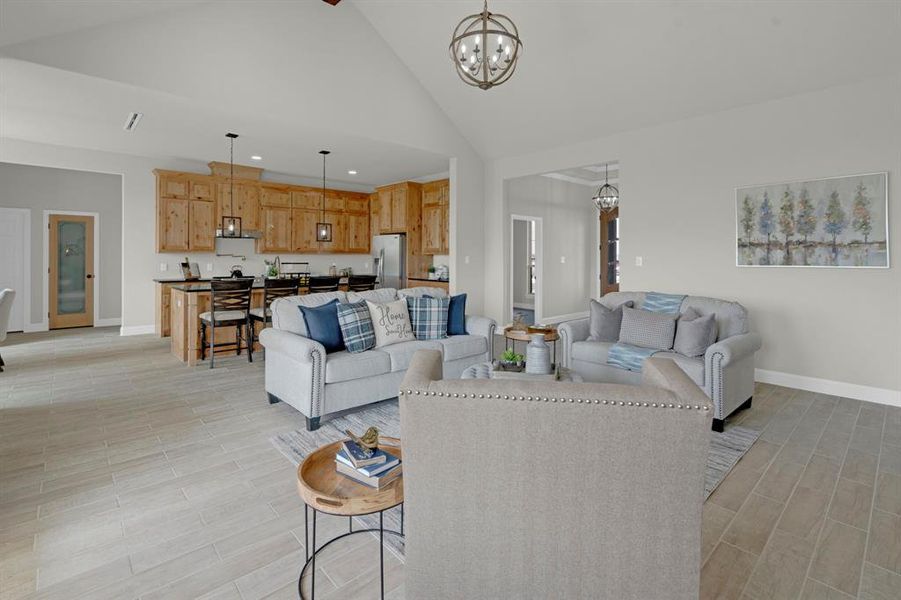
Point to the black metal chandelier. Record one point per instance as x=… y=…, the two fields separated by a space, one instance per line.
x=323 y=228
x=231 y=225
x=607 y=197
x=485 y=48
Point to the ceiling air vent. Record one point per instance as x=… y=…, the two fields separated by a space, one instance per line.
x=132 y=121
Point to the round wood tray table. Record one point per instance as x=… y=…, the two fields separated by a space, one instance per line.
x=324 y=489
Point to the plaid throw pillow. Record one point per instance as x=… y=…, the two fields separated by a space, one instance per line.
x=428 y=316
x=356 y=326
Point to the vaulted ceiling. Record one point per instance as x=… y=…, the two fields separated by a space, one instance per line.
x=373 y=79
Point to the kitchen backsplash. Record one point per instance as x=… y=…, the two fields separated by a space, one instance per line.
x=254 y=263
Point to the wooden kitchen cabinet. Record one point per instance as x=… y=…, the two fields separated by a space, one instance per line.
x=202 y=226
x=276 y=235
x=384 y=195
x=172 y=185
x=275 y=197
x=172 y=224
x=435 y=217
x=399 y=207
x=303 y=230
x=339 y=233
x=358 y=235
x=246 y=204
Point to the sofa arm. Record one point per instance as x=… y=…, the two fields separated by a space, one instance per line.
x=483 y=326
x=295 y=346
x=732 y=349
x=571 y=332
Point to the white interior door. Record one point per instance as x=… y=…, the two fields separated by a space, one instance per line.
x=13 y=260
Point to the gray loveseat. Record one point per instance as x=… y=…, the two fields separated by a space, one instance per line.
x=522 y=489
x=300 y=372
x=725 y=372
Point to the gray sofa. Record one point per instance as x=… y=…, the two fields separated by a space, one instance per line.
x=725 y=372
x=553 y=489
x=300 y=372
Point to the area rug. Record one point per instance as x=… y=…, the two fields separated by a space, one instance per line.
x=726 y=449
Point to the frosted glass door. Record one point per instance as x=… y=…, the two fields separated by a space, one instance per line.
x=71 y=271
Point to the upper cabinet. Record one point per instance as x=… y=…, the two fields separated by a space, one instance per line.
x=435 y=217
x=399 y=207
x=190 y=207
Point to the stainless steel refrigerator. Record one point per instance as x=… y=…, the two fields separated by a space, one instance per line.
x=389 y=260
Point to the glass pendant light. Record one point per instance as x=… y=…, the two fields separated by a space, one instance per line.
x=231 y=225
x=323 y=228
x=607 y=197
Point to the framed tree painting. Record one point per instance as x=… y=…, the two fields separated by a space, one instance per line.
x=833 y=222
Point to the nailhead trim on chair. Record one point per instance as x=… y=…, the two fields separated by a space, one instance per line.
x=717 y=384
x=316 y=359
x=562 y=400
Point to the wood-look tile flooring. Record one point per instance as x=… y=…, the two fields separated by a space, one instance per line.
x=126 y=474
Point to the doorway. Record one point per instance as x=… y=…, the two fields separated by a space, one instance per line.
x=71 y=274
x=15 y=261
x=609 y=247
x=525 y=269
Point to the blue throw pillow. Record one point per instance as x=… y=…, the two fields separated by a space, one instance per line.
x=456 y=314
x=356 y=326
x=428 y=317
x=322 y=325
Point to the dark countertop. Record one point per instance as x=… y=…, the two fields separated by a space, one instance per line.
x=427 y=279
x=180 y=280
x=201 y=286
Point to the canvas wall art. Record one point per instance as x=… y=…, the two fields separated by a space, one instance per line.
x=834 y=222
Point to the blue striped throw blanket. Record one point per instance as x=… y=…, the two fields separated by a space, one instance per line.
x=631 y=358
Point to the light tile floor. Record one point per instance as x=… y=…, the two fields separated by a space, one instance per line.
x=126 y=474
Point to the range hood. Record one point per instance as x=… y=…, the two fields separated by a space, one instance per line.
x=246 y=234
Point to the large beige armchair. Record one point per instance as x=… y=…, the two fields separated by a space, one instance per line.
x=553 y=490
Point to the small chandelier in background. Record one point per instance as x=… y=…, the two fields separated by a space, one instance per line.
x=323 y=228
x=485 y=48
x=607 y=197
x=231 y=225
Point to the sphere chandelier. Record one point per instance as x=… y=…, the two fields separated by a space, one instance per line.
x=607 y=197
x=485 y=48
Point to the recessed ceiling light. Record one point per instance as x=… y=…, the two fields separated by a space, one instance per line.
x=351 y=172
x=255 y=157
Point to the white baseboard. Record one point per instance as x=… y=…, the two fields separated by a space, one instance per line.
x=828 y=386
x=137 y=330
x=33 y=327
x=107 y=322
x=562 y=318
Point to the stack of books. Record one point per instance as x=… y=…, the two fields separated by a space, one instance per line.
x=375 y=469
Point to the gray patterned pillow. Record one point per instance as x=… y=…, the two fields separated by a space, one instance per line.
x=647 y=329
x=604 y=323
x=694 y=333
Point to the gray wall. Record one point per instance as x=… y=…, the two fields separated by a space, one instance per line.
x=42 y=188
x=521 y=295
x=569 y=229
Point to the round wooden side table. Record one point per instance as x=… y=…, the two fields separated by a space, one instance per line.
x=511 y=336
x=325 y=490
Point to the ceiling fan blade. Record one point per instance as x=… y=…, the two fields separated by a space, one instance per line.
x=332 y=2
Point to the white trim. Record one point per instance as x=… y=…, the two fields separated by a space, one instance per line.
x=35 y=327
x=26 y=273
x=137 y=330
x=539 y=260
x=46 y=266
x=562 y=318
x=112 y=322
x=828 y=386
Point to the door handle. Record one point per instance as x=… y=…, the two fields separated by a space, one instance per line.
x=89 y=276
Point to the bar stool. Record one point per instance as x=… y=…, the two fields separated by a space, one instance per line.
x=360 y=283
x=324 y=284
x=229 y=307
x=272 y=289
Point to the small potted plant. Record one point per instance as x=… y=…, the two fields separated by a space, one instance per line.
x=271 y=269
x=433 y=273
x=511 y=361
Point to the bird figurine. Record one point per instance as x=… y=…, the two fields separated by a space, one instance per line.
x=369 y=441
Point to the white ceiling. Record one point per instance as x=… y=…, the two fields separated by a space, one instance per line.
x=591 y=68
x=373 y=80
x=591 y=176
